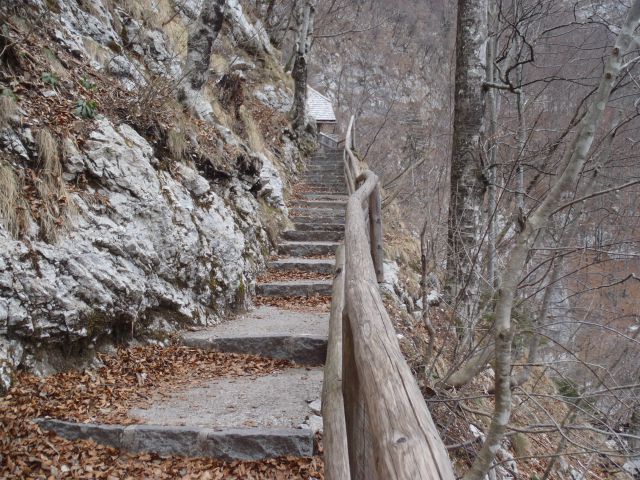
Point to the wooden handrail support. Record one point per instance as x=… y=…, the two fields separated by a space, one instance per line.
x=336 y=464
x=376 y=423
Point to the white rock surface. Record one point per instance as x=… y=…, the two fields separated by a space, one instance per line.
x=272 y=187
x=148 y=248
x=247 y=35
x=145 y=245
x=274 y=97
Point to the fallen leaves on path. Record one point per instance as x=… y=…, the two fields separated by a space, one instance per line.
x=282 y=276
x=315 y=303
x=105 y=395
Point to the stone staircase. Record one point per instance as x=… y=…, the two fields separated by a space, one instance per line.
x=301 y=336
x=253 y=418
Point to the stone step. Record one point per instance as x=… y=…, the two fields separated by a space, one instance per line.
x=317 y=170
x=326 y=191
x=316 y=212
x=222 y=444
x=314 y=227
x=322 y=176
x=326 y=164
x=316 y=265
x=307 y=249
x=294 y=288
x=311 y=203
x=268 y=332
x=330 y=189
x=318 y=221
x=324 y=197
x=320 y=182
x=319 y=167
x=324 y=179
x=311 y=236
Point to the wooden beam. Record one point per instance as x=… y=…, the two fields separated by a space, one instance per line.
x=375 y=232
x=336 y=452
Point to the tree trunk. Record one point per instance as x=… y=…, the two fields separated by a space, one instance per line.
x=199 y=47
x=468 y=184
x=492 y=146
x=305 y=13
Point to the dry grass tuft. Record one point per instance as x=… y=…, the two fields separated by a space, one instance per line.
x=55 y=207
x=13 y=210
x=8 y=110
x=254 y=136
x=221 y=116
x=48 y=153
x=177 y=143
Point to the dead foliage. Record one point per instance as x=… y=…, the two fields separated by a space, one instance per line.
x=14 y=212
x=314 y=303
x=104 y=395
x=231 y=91
x=8 y=110
x=280 y=276
x=128 y=377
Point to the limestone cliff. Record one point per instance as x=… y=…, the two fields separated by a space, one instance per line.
x=122 y=216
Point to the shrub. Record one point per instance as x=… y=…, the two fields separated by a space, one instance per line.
x=50 y=78
x=86 y=108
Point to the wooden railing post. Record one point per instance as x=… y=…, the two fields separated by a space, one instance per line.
x=375 y=232
x=336 y=452
x=361 y=457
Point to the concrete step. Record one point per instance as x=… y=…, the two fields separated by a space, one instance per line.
x=330 y=189
x=316 y=265
x=324 y=182
x=333 y=168
x=323 y=179
x=314 y=227
x=226 y=444
x=307 y=249
x=294 y=288
x=268 y=332
x=316 y=212
x=326 y=164
x=337 y=172
x=226 y=418
x=318 y=221
x=312 y=203
x=326 y=191
x=312 y=236
x=313 y=197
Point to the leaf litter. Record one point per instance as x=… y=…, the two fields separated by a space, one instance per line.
x=105 y=395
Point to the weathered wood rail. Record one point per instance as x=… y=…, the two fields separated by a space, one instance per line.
x=376 y=423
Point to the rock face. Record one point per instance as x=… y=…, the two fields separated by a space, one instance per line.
x=148 y=247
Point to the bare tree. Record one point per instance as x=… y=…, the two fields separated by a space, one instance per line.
x=468 y=183
x=305 y=13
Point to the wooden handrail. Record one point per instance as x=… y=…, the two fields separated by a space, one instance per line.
x=336 y=456
x=376 y=422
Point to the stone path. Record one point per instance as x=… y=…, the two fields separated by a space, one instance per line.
x=253 y=418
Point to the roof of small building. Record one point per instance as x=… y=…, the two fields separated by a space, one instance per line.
x=319 y=106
